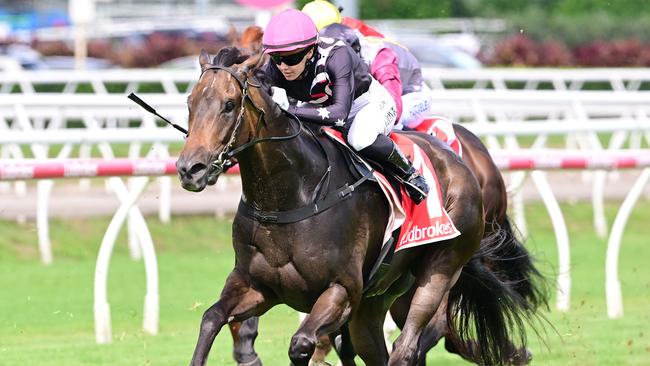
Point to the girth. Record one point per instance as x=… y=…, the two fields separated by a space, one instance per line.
x=298 y=214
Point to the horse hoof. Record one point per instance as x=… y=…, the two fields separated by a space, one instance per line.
x=255 y=362
x=521 y=357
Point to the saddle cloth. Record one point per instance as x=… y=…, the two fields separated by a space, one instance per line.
x=443 y=129
x=420 y=224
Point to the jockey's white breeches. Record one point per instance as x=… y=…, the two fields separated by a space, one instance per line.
x=372 y=113
x=415 y=107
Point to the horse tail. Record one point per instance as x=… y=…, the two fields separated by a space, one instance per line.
x=514 y=264
x=486 y=315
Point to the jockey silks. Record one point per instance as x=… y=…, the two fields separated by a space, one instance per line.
x=327 y=88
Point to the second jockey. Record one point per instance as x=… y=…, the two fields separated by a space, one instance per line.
x=333 y=87
x=393 y=65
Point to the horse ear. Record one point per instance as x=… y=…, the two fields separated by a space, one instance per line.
x=233 y=35
x=204 y=59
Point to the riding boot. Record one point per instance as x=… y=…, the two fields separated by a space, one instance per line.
x=384 y=152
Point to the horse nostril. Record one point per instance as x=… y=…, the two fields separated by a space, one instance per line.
x=181 y=169
x=197 y=168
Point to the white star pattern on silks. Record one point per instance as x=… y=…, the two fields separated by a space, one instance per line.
x=339 y=122
x=323 y=113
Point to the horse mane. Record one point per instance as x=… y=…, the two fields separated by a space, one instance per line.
x=232 y=55
x=263 y=80
x=228 y=56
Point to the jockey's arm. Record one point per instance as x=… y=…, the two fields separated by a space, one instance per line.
x=384 y=69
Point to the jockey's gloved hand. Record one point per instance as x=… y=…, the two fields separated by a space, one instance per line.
x=279 y=96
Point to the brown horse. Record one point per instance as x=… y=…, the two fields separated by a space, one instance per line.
x=315 y=260
x=510 y=260
x=506 y=256
x=251 y=39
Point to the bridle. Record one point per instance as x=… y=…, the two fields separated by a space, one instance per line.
x=228 y=152
x=319 y=204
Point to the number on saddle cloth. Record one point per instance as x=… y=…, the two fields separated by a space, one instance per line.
x=443 y=129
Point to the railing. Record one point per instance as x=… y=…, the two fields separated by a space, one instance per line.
x=531 y=160
x=101 y=81
x=174 y=81
x=578 y=116
x=617 y=79
x=104 y=116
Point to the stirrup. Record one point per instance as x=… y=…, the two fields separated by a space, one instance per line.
x=417 y=193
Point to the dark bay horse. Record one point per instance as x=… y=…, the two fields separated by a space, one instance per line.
x=509 y=259
x=505 y=255
x=317 y=263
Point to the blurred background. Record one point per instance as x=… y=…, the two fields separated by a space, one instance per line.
x=562 y=83
x=450 y=33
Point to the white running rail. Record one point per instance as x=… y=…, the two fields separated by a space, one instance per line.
x=534 y=160
x=180 y=81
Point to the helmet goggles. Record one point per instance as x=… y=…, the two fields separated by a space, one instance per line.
x=290 y=60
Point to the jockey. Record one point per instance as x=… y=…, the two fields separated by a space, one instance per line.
x=393 y=65
x=324 y=13
x=333 y=87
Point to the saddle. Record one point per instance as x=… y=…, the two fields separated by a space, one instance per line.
x=409 y=225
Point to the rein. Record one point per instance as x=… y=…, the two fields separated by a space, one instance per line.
x=277 y=217
x=228 y=152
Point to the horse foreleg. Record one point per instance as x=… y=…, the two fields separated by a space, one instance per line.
x=323 y=346
x=243 y=338
x=328 y=314
x=238 y=301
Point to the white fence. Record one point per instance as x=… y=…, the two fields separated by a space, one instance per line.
x=105 y=116
x=101 y=81
x=617 y=79
x=174 y=81
x=535 y=160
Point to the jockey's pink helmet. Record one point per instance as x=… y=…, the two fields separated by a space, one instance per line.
x=289 y=30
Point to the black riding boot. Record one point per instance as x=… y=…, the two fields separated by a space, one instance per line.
x=384 y=152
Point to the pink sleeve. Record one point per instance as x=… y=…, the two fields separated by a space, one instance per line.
x=384 y=69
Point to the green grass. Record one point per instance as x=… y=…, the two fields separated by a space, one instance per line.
x=46 y=311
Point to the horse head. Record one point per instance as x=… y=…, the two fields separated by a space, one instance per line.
x=222 y=110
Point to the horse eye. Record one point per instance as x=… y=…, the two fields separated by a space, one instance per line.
x=229 y=106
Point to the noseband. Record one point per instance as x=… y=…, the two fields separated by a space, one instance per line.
x=228 y=152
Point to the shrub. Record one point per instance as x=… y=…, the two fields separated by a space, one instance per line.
x=554 y=53
x=617 y=53
x=523 y=51
x=518 y=50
